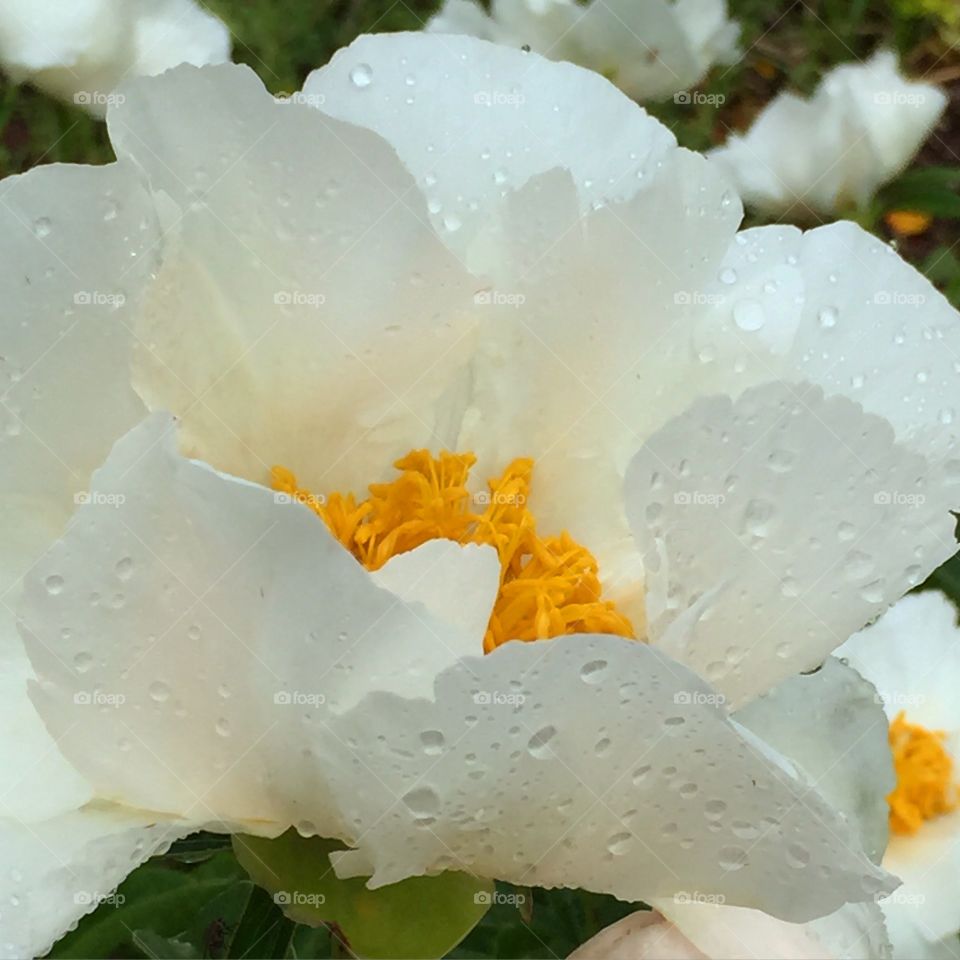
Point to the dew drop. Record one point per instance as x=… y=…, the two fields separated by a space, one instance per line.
x=54 y=584
x=748 y=315
x=593 y=672
x=159 y=691
x=361 y=76
x=728 y=276
x=422 y=801
x=827 y=317
x=619 y=844
x=433 y=742
x=538 y=744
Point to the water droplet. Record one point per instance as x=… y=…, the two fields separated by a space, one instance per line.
x=82 y=661
x=798 y=856
x=124 y=568
x=619 y=843
x=361 y=76
x=42 y=227
x=159 y=691
x=54 y=584
x=422 y=801
x=222 y=726
x=748 y=315
x=433 y=742
x=538 y=744
x=828 y=317
x=593 y=672
x=732 y=858
x=714 y=809
x=728 y=276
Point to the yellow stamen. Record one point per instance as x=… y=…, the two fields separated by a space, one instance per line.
x=925 y=786
x=549 y=586
x=908 y=223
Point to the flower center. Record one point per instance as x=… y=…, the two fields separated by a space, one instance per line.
x=925 y=787
x=549 y=586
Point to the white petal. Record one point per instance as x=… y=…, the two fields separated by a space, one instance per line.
x=81 y=51
x=456 y=584
x=861 y=127
x=854 y=932
x=68 y=305
x=831 y=724
x=193 y=641
x=58 y=870
x=644 y=935
x=777 y=514
x=877 y=330
x=508 y=116
x=593 y=762
x=912 y=656
x=305 y=314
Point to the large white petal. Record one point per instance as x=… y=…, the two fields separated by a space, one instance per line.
x=58 y=870
x=306 y=313
x=768 y=527
x=68 y=306
x=193 y=642
x=831 y=724
x=592 y=762
x=508 y=116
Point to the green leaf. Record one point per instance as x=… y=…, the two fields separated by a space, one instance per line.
x=153 y=945
x=154 y=897
x=928 y=189
x=419 y=917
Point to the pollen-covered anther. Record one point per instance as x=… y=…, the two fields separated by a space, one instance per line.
x=549 y=586
x=924 y=769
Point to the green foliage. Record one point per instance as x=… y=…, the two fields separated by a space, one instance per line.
x=419 y=917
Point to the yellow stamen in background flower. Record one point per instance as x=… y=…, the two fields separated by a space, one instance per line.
x=908 y=223
x=549 y=586
x=925 y=787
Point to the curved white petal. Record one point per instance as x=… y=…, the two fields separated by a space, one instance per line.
x=507 y=117
x=72 y=301
x=592 y=762
x=767 y=525
x=193 y=641
x=305 y=314
x=58 y=870
x=82 y=50
x=831 y=724
x=860 y=128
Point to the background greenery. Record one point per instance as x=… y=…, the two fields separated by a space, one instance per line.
x=197 y=901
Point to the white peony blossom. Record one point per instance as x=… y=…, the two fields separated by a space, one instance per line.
x=82 y=50
x=445 y=244
x=861 y=127
x=649 y=49
x=912 y=655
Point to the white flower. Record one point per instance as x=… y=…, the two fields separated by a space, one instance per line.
x=912 y=655
x=697 y=930
x=82 y=50
x=860 y=128
x=650 y=50
x=738 y=430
